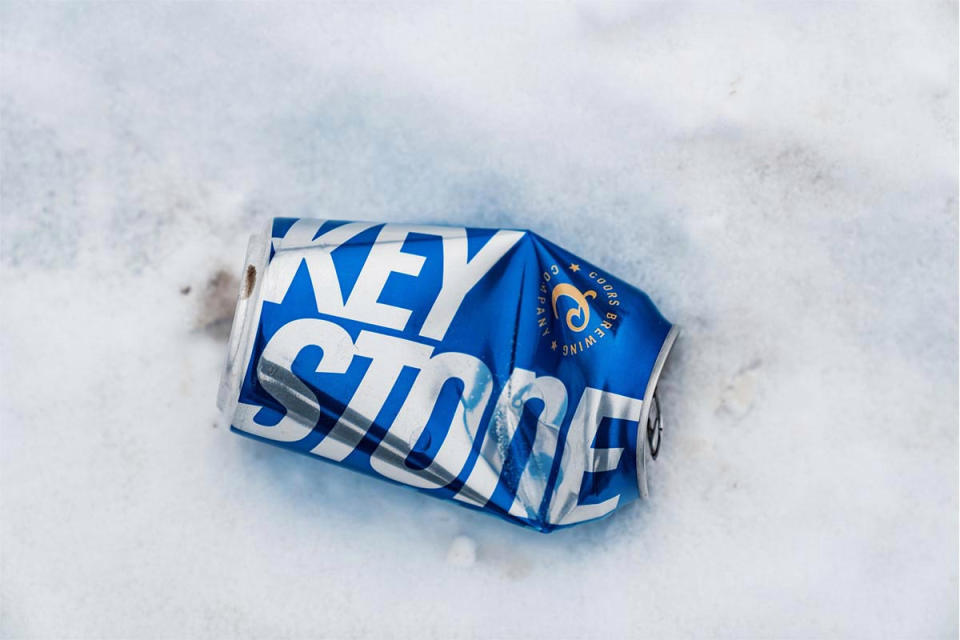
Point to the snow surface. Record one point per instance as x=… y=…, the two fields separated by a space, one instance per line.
x=782 y=180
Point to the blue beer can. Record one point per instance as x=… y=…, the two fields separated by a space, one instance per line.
x=485 y=366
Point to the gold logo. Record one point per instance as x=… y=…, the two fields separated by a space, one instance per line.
x=583 y=326
x=582 y=311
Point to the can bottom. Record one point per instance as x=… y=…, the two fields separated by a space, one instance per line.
x=245 y=319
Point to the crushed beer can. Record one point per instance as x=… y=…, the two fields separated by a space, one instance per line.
x=485 y=366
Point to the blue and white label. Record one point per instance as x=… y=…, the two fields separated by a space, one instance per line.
x=485 y=366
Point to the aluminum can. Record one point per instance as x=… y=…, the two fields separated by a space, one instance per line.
x=489 y=367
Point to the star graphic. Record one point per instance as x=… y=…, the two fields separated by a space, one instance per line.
x=574 y=267
x=553 y=345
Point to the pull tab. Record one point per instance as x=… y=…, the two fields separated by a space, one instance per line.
x=654 y=427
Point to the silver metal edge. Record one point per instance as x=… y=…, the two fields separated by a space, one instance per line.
x=642 y=453
x=246 y=317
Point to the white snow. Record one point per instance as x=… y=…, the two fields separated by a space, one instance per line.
x=780 y=178
x=462 y=552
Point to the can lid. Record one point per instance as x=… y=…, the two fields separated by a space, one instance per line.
x=654 y=427
x=650 y=430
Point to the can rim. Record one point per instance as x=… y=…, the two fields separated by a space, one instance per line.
x=245 y=319
x=643 y=451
